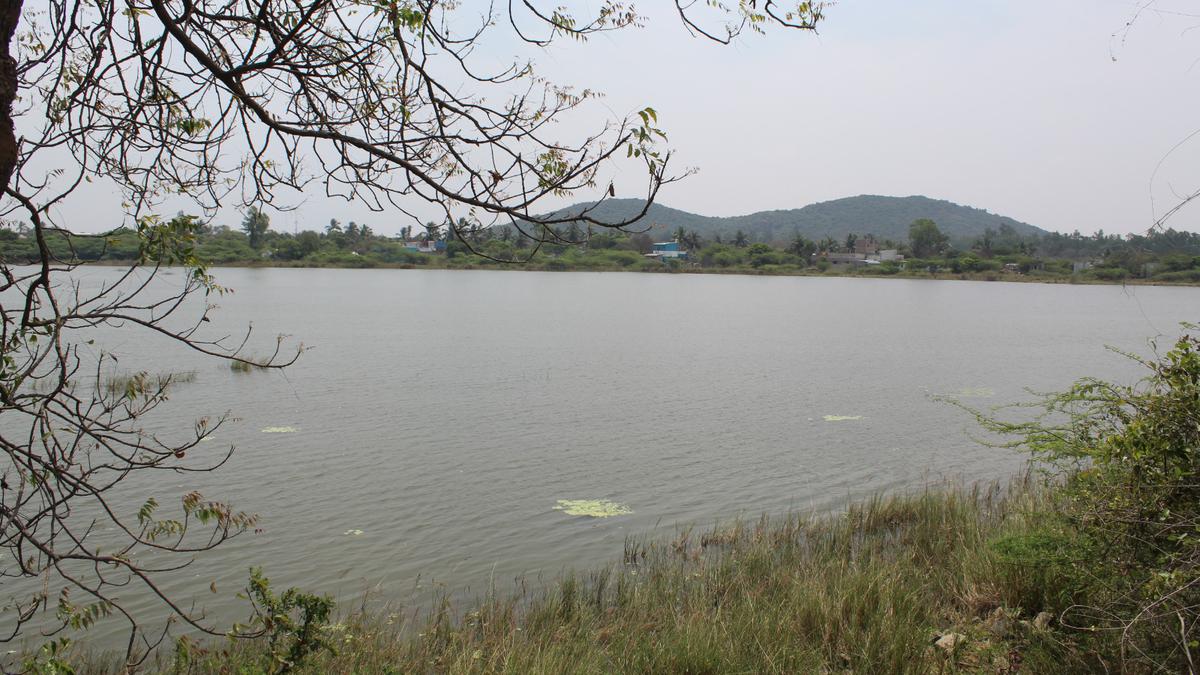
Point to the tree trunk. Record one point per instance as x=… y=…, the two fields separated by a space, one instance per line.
x=10 y=15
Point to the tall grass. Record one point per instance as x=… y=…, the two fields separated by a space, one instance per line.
x=139 y=383
x=247 y=366
x=866 y=591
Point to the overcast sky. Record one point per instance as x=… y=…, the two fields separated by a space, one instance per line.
x=1049 y=111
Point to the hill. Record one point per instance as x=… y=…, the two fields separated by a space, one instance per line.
x=885 y=217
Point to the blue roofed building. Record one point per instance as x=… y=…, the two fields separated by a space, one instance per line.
x=668 y=250
x=426 y=246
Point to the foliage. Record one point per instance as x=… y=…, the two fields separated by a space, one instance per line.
x=255 y=225
x=294 y=624
x=926 y=239
x=50 y=659
x=1131 y=459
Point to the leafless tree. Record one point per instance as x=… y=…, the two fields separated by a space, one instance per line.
x=391 y=103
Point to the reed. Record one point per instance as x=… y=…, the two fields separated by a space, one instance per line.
x=133 y=384
x=248 y=366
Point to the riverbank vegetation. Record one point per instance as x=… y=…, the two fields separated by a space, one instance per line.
x=1089 y=563
x=1158 y=256
x=869 y=591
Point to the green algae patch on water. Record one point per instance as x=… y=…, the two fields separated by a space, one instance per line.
x=353 y=533
x=279 y=430
x=592 y=508
x=842 y=418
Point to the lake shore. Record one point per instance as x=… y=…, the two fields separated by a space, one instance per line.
x=910 y=583
x=749 y=271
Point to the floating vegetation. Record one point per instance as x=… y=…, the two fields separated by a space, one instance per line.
x=353 y=533
x=975 y=392
x=279 y=430
x=842 y=418
x=592 y=508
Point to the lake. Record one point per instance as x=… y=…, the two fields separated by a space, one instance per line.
x=441 y=415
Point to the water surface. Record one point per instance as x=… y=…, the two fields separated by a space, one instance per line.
x=444 y=413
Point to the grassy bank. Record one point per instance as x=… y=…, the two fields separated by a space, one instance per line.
x=870 y=590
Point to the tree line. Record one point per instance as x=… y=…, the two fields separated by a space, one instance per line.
x=1164 y=254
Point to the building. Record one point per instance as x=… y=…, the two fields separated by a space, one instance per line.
x=668 y=250
x=866 y=246
x=420 y=246
x=846 y=258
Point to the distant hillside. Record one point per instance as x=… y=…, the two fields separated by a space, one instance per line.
x=885 y=217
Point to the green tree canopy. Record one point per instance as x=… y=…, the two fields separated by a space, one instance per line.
x=255 y=225
x=926 y=239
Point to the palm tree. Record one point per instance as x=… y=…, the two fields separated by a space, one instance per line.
x=680 y=235
x=255 y=225
x=740 y=240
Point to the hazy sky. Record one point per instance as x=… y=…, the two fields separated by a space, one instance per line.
x=1016 y=107
x=1051 y=112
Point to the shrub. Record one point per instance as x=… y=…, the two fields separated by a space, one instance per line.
x=294 y=624
x=1110 y=273
x=1189 y=276
x=1130 y=457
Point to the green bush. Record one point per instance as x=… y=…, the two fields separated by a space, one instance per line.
x=293 y=624
x=1041 y=566
x=1130 y=457
x=1191 y=276
x=1110 y=273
